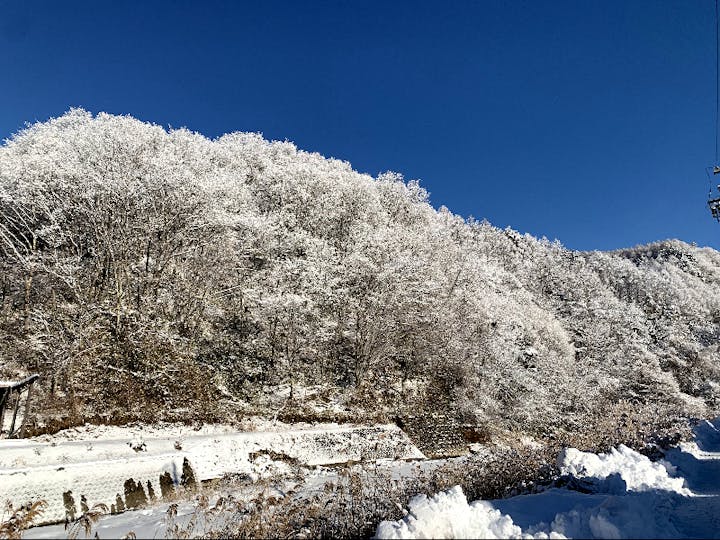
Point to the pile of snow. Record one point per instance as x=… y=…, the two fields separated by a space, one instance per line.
x=637 y=471
x=448 y=515
x=631 y=497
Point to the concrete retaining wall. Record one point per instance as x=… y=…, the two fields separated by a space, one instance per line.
x=125 y=474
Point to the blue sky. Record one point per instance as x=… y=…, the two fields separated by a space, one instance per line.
x=586 y=121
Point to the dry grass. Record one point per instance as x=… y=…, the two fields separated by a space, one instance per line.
x=85 y=521
x=13 y=521
x=354 y=499
x=632 y=424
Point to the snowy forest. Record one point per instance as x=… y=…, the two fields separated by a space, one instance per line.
x=149 y=274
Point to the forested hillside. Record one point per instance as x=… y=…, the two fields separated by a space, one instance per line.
x=148 y=274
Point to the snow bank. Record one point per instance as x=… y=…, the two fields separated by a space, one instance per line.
x=559 y=513
x=637 y=471
x=448 y=515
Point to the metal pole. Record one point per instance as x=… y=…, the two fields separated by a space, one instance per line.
x=717 y=79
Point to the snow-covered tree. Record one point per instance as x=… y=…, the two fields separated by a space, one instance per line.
x=156 y=271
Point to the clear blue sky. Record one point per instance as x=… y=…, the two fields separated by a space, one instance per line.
x=586 y=121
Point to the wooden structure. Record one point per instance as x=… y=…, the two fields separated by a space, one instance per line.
x=11 y=396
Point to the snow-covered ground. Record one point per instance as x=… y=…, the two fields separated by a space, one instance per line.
x=621 y=494
x=146 y=523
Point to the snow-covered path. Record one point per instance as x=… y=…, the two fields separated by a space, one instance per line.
x=627 y=496
x=698 y=462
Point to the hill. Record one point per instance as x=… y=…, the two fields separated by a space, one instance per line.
x=159 y=275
